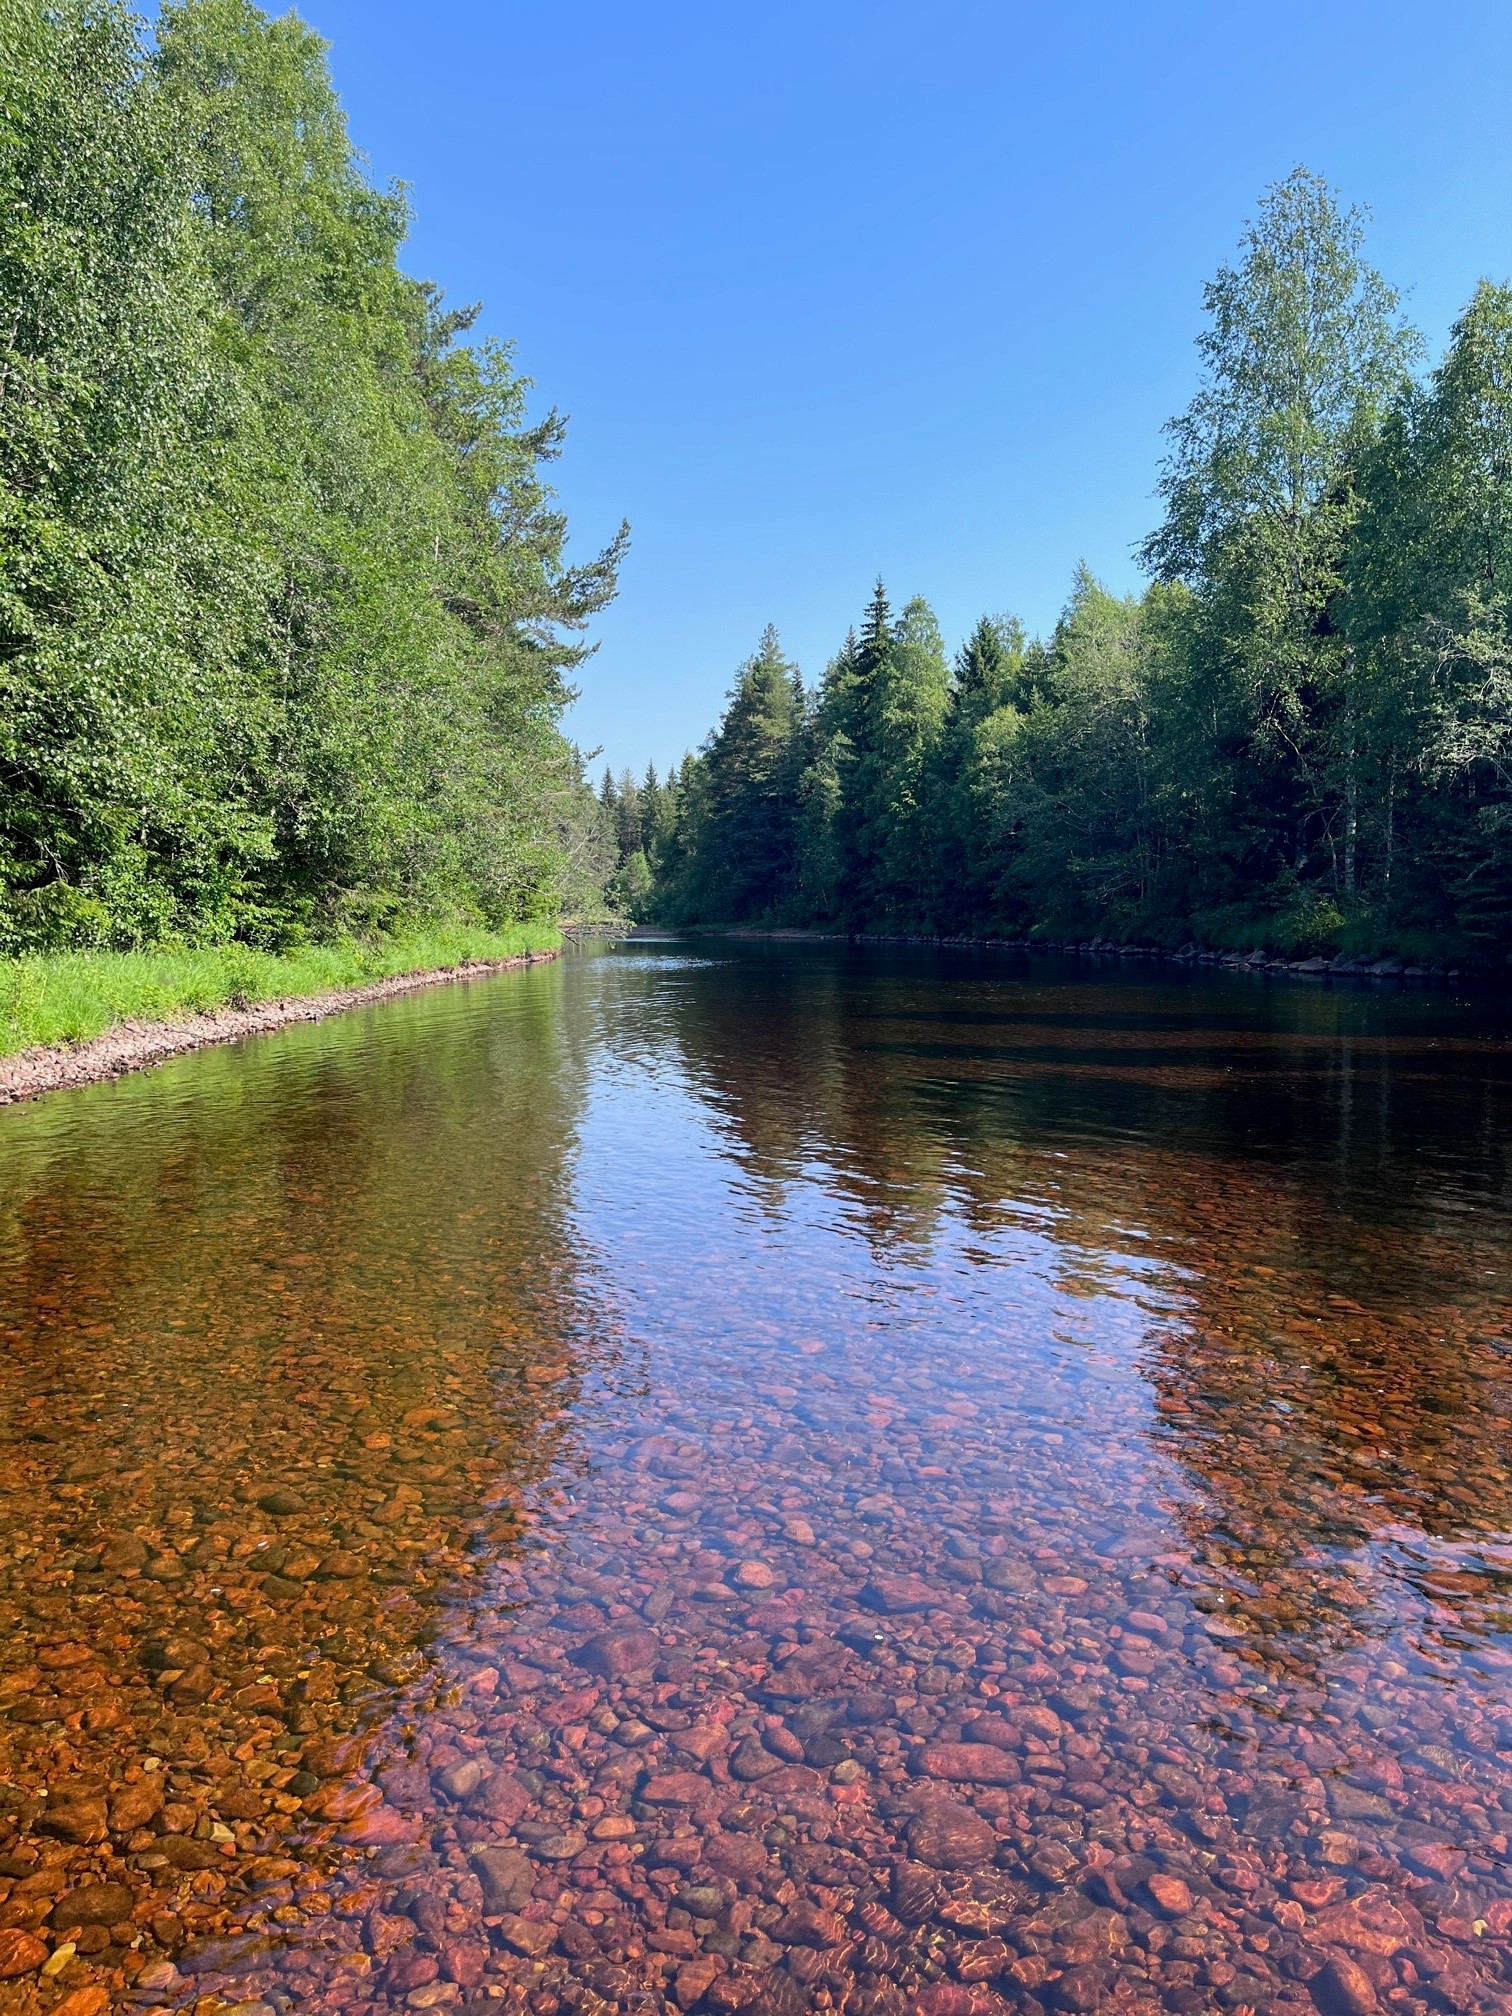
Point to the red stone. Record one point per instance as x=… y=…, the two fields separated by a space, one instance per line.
x=409 y=1970
x=463 y=1961
x=1370 y=1923
x=740 y=1856
x=676 y=1788
x=808 y=1924
x=527 y=1935
x=381 y=1827
x=993 y=1729
x=693 y=1981
x=500 y=1797
x=896 y=1595
x=947 y=1836
x=1170 y=1894
x=618 y=1652
x=20 y=1953
x=815 y=1668
x=968 y=1764
x=1343 y=1988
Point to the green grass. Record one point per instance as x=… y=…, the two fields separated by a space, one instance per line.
x=67 y=997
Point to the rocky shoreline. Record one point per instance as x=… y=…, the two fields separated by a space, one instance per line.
x=137 y=1046
x=1341 y=967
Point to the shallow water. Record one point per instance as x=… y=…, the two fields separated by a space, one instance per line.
x=772 y=1478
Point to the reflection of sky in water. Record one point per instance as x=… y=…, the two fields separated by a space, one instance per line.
x=718 y=1251
x=700 y=1247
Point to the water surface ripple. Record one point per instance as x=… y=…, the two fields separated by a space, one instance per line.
x=772 y=1478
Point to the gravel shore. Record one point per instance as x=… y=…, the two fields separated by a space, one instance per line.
x=136 y=1046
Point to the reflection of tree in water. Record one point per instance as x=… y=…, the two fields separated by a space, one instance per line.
x=1338 y=1449
x=282 y=1328
x=779 y=1049
x=1320 y=1169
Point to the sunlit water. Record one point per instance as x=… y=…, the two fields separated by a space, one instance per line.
x=737 y=1477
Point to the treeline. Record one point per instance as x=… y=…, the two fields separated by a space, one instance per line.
x=285 y=615
x=1299 y=735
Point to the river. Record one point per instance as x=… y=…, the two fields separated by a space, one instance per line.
x=773 y=1477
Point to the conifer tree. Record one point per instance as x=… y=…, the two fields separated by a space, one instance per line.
x=910 y=706
x=752 y=776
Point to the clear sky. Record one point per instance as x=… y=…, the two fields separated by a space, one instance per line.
x=833 y=289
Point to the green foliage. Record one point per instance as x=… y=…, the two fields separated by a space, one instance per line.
x=1303 y=356
x=1300 y=735
x=638 y=825
x=285 y=618
x=735 y=806
x=1078 y=799
x=68 y=997
x=1431 y=604
x=629 y=888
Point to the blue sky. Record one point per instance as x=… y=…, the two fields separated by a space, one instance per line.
x=832 y=289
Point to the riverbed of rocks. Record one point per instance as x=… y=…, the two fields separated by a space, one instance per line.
x=378 y=1633
x=800 y=1709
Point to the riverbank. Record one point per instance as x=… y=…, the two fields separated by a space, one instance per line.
x=79 y=1018
x=1342 y=967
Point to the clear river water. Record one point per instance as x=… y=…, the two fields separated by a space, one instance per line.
x=751 y=1476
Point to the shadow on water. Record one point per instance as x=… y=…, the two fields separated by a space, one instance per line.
x=769 y=1477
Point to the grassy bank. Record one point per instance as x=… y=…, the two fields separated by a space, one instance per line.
x=71 y=996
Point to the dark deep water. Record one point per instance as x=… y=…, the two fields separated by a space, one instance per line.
x=729 y=1476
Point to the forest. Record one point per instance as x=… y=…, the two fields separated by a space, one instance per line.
x=1297 y=737
x=286 y=619
x=288 y=626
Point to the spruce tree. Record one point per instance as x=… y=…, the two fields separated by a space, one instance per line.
x=859 y=819
x=751 y=765
x=980 y=667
